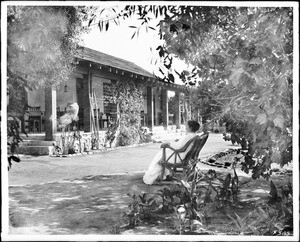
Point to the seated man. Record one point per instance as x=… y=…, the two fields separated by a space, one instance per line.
x=155 y=169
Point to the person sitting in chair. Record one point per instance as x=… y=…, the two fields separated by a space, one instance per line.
x=154 y=170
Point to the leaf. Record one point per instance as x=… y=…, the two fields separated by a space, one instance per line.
x=15 y=158
x=132 y=27
x=279 y=121
x=171 y=77
x=133 y=35
x=177 y=200
x=254 y=230
x=226 y=183
x=234 y=220
x=196 y=222
x=161 y=52
x=261 y=118
x=255 y=61
x=235 y=76
x=239 y=61
x=263 y=18
x=90 y=21
x=276 y=157
x=239 y=220
x=274 y=191
x=242 y=19
x=271 y=110
x=186 y=184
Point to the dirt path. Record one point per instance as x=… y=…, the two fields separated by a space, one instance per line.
x=128 y=160
x=96 y=204
x=85 y=195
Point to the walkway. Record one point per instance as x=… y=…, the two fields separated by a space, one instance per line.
x=129 y=160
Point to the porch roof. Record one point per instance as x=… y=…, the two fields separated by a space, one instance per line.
x=100 y=58
x=111 y=61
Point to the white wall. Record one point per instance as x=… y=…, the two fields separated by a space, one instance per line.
x=63 y=98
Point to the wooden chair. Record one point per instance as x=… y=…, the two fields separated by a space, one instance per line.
x=33 y=119
x=181 y=163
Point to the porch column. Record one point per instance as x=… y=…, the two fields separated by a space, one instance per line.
x=150 y=122
x=177 y=110
x=87 y=85
x=165 y=112
x=50 y=113
x=187 y=107
x=189 y=104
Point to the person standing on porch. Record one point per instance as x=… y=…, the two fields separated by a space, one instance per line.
x=154 y=170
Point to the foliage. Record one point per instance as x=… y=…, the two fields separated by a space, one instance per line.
x=42 y=41
x=281 y=199
x=110 y=134
x=190 y=195
x=70 y=143
x=127 y=95
x=142 y=208
x=273 y=218
x=13 y=140
x=144 y=136
x=15 y=110
x=243 y=224
x=186 y=202
x=172 y=197
x=247 y=56
x=203 y=102
x=242 y=58
x=183 y=224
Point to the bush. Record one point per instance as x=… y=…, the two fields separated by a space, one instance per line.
x=128 y=136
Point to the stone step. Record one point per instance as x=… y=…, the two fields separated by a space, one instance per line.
x=37 y=143
x=35 y=150
x=33 y=136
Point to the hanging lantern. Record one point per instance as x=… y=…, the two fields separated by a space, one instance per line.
x=66 y=88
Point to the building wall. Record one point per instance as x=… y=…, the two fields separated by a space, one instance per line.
x=98 y=88
x=99 y=78
x=37 y=97
x=158 y=108
x=64 y=98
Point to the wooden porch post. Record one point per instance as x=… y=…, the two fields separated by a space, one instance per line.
x=189 y=103
x=50 y=113
x=165 y=111
x=150 y=122
x=177 y=112
x=86 y=101
x=187 y=107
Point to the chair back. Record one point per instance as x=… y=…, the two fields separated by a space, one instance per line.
x=198 y=143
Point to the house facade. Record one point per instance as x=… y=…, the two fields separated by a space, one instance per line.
x=96 y=72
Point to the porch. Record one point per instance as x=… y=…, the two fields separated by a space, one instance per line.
x=95 y=76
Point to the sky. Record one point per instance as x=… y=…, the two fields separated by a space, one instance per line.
x=118 y=41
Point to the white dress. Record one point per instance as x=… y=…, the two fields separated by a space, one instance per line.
x=155 y=169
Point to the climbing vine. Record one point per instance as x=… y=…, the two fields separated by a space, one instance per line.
x=127 y=95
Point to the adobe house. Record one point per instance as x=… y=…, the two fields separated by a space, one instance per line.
x=96 y=72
